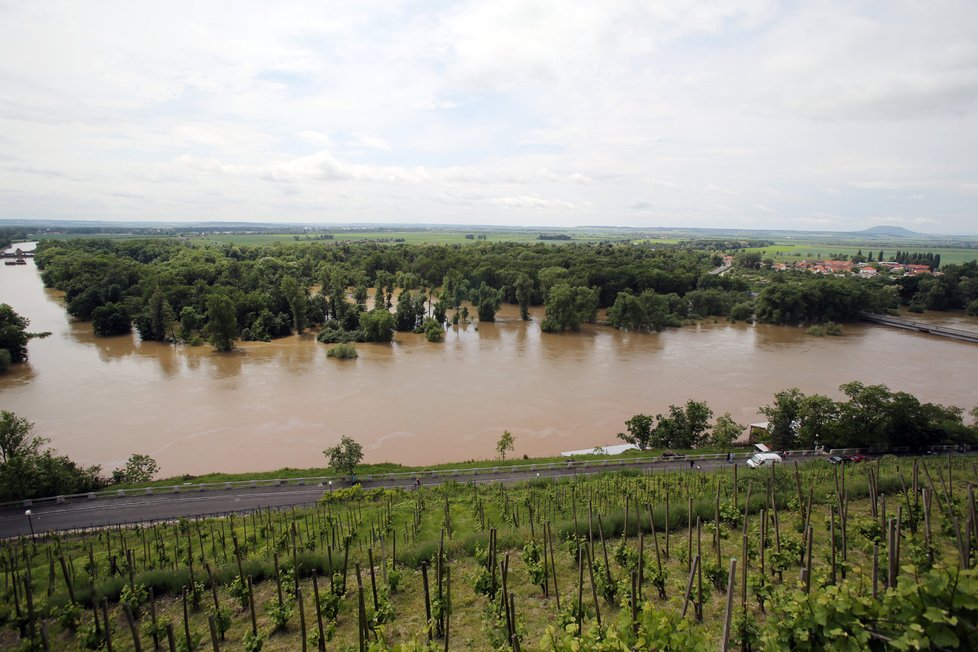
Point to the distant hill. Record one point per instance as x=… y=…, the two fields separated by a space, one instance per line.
x=887 y=230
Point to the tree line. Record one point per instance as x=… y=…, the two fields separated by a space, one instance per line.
x=169 y=290
x=30 y=469
x=956 y=288
x=871 y=416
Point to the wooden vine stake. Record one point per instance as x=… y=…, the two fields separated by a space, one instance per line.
x=131 y=621
x=730 y=593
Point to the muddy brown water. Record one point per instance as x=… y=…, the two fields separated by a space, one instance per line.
x=270 y=405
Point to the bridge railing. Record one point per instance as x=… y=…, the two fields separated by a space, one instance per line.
x=918 y=325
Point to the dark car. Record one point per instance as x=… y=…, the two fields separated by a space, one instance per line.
x=670 y=454
x=836 y=459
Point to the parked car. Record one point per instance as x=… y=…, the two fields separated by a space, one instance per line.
x=764 y=459
x=858 y=458
x=668 y=454
x=836 y=459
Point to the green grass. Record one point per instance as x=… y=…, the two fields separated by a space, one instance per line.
x=817 y=251
x=434 y=236
x=97 y=236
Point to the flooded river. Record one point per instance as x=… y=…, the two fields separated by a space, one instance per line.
x=270 y=405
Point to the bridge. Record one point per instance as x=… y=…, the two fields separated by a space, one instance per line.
x=920 y=327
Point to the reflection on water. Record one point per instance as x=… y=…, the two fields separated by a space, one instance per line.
x=268 y=405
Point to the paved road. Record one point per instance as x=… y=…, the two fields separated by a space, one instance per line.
x=165 y=506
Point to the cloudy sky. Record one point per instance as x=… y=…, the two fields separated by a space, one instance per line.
x=755 y=114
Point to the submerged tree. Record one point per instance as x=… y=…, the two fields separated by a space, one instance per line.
x=222 y=325
x=295 y=296
x=569 y=307
x=524 y=292
x=111 y=319
x=14 y=336
x=487 y=301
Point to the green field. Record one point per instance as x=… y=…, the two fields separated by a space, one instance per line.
x=396 y=237
x=821 y=251
x=780 y=251
x=387 y=237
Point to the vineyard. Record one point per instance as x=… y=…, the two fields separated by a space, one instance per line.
x=878 y=555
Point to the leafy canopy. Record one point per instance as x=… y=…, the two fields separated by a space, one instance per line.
x=345 y=456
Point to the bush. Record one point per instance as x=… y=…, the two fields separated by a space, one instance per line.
x=343 y=352
x=433 y=331
x=743 y=311
x=333 y=332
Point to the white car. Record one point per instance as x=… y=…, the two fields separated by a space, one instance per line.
x=764 y=459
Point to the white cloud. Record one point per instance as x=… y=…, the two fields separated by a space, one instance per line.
x=727 y=113
x=527 y=201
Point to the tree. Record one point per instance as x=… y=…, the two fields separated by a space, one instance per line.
x=160 y=318
x=27 y=471
x=685 y=426
x=433 y=330
x=524 y=292
x=627 y=312
x=640 y=431
x=13 y=333
x=377 y=325
x=816 y=420
x=222 y=324
x=863 y=420
x=345 y=456
x=549 y=277
x=568 y=307
x=410 y=311
x=743 y=311
x=360 y=295
x=487 y=301
x=295 y=296
x=15 y=437
x=111 y=319
x=455 y=289
x=139 y=468
x=725 y=431
x=189 y=321
x=783 y=418
x=505 y=443
x=748 y=259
